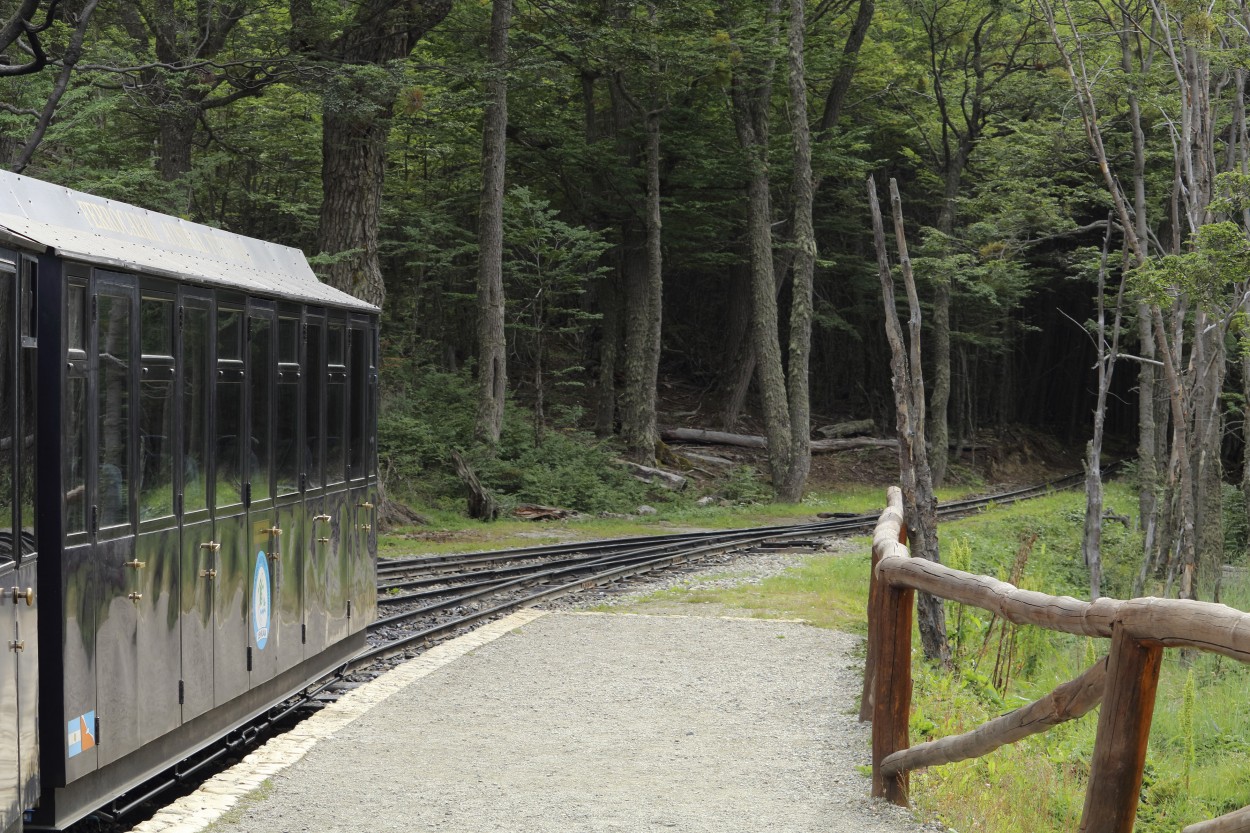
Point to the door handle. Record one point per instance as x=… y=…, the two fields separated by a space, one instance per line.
x=274 y=531
x=134 y=597
x=136 y=564
x=210 y=545
x=208 y=574
x=317 y=518
x=365 y=505
x=28 y=594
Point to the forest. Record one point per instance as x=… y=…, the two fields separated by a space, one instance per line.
x=588 y=221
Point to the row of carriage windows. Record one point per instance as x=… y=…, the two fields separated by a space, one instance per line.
x=234 y=402
x=19 y=279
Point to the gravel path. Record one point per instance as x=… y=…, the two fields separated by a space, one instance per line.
x=600 y=722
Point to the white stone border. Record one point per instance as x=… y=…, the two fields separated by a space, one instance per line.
x=195 y=812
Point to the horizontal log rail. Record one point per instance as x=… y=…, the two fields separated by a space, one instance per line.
x=1125 y=681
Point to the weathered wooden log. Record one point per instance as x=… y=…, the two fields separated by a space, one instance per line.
x=1171 y=623
x=889 y=530
x=657 y=477
x=1115 y=770
x=706 y=459
x=891 y=709
x=847 y=429
x=700 y=435
x=1067 y=702
x=1238 y=821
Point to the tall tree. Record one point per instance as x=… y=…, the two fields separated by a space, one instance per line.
x=492 y=343
x=356 y=121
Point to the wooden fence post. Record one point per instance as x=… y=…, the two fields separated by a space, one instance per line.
x=892 y=697
x=1115 y=772
x=894 y=500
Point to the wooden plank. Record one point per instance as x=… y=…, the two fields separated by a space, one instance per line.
x=1067 y=702
x=1115 y=773
x=892 y=701
x=1238 y=821
x=1172 y=623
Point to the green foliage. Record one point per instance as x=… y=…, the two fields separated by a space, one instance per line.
x=743 y=484
x=420 y=427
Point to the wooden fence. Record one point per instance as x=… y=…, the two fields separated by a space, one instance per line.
x=1125 y=681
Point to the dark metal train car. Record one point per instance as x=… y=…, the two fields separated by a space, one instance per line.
x=187 y=490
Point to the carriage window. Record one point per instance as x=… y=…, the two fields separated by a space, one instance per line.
x=30 y=300
x=230 y=427
x=229 y=335
x=358 y=379
x=314 y=402
x=75 y=442
x=113 y=400
x=288 y=340
x=8 y=337
x=196 y=441
x=229 y=480
x=75 y=324
x=156 y=326
x=259 y=451
x=290 y=453
x=336 y=395
x=74 y=424
x=156 y=448
x=26 y=467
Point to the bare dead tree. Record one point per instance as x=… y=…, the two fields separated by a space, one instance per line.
x=919 y=504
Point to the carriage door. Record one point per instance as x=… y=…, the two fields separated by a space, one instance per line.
x=317 y=565
x=232 y=584
x=113 y=515
x=10 y=798
x=337 y=502
x=22 y=592
x=199 y=549
x=290 y=459
x=361 y=540
x=157 y=558
x=265 y=577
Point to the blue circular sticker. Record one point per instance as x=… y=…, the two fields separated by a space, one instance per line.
x=260 y=601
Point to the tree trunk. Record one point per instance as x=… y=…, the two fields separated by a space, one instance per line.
x=908 y=383
x=492 y=368
x=750 y=114
x=800 y=461
x=353 y=144
x=643 y=318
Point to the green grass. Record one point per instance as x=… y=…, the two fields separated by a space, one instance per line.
x=1037 y=785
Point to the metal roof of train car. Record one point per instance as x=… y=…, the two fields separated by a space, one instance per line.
x=105 y=232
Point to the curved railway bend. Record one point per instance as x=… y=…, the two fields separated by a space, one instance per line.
x=426 y=600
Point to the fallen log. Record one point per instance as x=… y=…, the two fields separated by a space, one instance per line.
x=657 y=477
x=538 y=512
x=847 y=429
x=700 y=435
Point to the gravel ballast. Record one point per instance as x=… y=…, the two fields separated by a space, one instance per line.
x=601 y=722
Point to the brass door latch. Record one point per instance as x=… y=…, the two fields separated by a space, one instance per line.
x=136 y=564
x=134 y=597
x=28 y=594
x=208 y=574
x=317 y=518
x=210 y=545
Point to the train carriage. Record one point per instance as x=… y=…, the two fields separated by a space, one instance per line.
x=187 y=490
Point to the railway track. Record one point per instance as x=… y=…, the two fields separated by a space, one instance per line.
x=436 y=596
